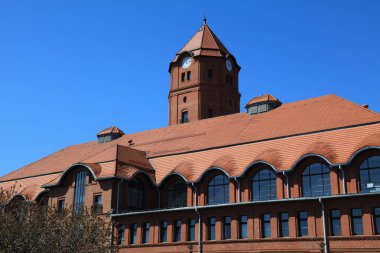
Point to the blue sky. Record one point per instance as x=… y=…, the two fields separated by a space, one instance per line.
x=71 y=68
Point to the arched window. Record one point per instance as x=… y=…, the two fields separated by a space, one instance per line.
x=370 y=174
x=264 y=185
x=316 y=180
x=218 y=190
x=177 y=194
x=80 y=189
x=135 y=194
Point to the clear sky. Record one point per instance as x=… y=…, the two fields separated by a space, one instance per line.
x=69 y=69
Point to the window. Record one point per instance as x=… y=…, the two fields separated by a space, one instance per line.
x=231 y=80
x=61 y=205
x=218 y=190
x=335 y=222
x=135 y=194
x=316 y=180
x=264 y=185
x=227 y=228
x=211 y=228
x=227 y=78
x=177 y=231
x=183 y=77
x=370 y=175
x=185 y=117
x=266 y=225
x=243 y=224
x=133 y=233
x=284 y=224
x=164 y=231
x=210 y=73
x=357 y=221
x=80 y=187
x=98 y=207
x=302 y=224
x=210 y=114
x=191 y=230
x=120 y=235
x=146 y=227
x=188 y=75
x=177 y=194
x=184 y=99
x=377 y=220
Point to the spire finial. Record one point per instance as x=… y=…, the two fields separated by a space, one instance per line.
x=204 y=19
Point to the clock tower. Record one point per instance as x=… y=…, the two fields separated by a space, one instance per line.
x=203 y=80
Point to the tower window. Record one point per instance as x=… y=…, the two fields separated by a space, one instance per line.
x=185 y=99
x=188 y=75
x=210 y=73
x=231 y=80
x=185 y=117
x=210 y=114
x=183 y=76
x=227 y=78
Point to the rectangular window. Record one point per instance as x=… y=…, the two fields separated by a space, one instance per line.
x=183 y=77
x=98 y=207
x=376 y=217
x=266 y=225
x=302 y=224
x=243 y=224
x=133 y=233
x=145 y=238
x=227 y=228
x=164 y=231
x=231 y=80
x=80 y=186
x=120 y=235
x=191 y=230
x=284 y=224
x=177 y=231
x=210 y=114
x=211 y=228
x=188 y=75
x=185 y=117
x=227 y=78
x=357 y=221
x=61 y=205
x=210 y=73
x=335 y=222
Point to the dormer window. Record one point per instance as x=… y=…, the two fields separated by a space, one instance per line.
x=262 y=104
x=109 y=134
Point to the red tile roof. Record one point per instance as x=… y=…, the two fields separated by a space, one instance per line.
x=329 y=125
x=110 y=130
x=263 y=98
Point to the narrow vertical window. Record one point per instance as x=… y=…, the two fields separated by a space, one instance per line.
x=243 y=224
x=177 y=231
x=357 y=221
x=227 y=228
x=133 y=233
x=231 y=80
x=120 y=235
x=164 y=231
x=80 y=187
x=302 y=224
x=227 y=78
x=188 y=75
x=191 y=230
x=376 y=217
x=209 y=73
x=211 y=228
x=266 y=225
x=185 y=117
x=335 y=222
x=183 y=77
x=146 y=228
x=98 y=207
x=284 y=224
x=61 y=205
x=210 y=114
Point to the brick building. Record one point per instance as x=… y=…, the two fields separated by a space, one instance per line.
x=295 y=177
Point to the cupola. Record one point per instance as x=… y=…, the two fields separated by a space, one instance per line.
x=109 y=134
x=263 y=103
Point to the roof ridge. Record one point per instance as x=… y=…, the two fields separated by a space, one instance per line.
x=355 y=104
x=103 y=150
x=187 y=42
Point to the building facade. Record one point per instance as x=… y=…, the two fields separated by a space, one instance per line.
x=293 y=177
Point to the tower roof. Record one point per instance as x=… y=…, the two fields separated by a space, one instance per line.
x=204 y=42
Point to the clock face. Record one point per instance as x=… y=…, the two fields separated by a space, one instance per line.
x=186 y=62
x=229 y=65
